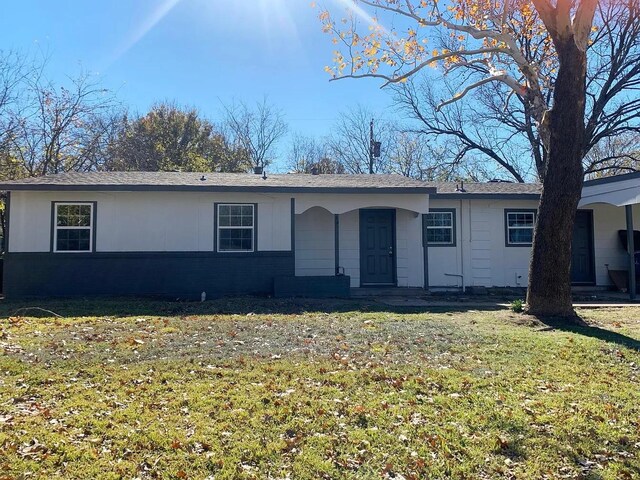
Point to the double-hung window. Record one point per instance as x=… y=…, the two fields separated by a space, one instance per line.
x=440 y=227
x=236 y=227
x=519 y=227
x=73 y=226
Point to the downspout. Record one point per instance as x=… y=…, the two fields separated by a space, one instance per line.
x=462 y=244
x=425 y=255
x=336 y=243
x=293 y=233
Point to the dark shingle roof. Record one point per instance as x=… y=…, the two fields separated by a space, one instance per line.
x=488 y=189
x=193 y=181
x=190 y=181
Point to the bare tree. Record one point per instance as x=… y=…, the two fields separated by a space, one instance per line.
x=303 y=153
x=256 y=129
x=13 y=73
x=410 y=155
x=614 y=156
x=62 y=128
x=349 y=142
x=495 y=123
x=468 y=130
x=307 y=155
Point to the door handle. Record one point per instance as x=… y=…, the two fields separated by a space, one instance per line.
x=391 y=251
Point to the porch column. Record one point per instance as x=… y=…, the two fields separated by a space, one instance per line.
x=336 y=242
x=631 y=250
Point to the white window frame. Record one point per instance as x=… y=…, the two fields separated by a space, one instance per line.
x=533 y=213
x=451 y=227
x=238 y=227
x=56 y=227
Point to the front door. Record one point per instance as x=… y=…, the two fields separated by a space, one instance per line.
x=582 y=264
x=377 y=247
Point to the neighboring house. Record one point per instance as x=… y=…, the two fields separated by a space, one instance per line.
x=181 y=234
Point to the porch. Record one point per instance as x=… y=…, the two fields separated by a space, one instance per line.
x=619 y=191
x=350 y=241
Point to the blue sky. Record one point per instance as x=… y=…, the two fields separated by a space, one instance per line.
x=196 y=52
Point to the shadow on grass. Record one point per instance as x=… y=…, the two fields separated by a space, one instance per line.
x=97 y=307
x=591 y=331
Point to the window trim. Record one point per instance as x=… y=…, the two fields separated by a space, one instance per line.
x=54 y=226
x=507 y=211
x=216 y=227
x=454 y=239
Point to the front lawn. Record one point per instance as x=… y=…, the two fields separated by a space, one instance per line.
x=263 y=389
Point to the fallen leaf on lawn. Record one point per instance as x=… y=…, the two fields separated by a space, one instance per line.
x=32 y=449
x=6 y=419
x=503 y=442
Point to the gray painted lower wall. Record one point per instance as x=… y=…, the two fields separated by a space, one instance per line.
x=179 y=274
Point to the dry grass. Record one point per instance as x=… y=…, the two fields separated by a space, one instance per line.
x=254 y=388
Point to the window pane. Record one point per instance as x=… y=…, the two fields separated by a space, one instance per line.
x=520 y=235
x=235 y=216
x=247 y=217
x=73 y=215
x=73 y=240
x=63 y=215
x=84 y=216
x=524 y=219
x=439 y=235
x=440 y=219
x=236 y=239
x=223 y=210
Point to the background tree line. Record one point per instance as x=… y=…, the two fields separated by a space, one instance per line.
x=48 y=128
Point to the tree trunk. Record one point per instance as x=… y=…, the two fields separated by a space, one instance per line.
x=549 y=292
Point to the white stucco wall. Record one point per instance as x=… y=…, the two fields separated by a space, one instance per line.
x=343 y=203
x=315 y=243
x=482 y=257
x=350 y=245
x=315 y=239
x=409 y=251
x=608 y=250
x=480 y=254
x=147 y=221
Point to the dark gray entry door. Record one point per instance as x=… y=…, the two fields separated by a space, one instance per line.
x=377 y=249
x=582 y=268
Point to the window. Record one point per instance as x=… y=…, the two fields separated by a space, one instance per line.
x=73 y=227
x=236 y=224
x=519 y=227
x=440 y=227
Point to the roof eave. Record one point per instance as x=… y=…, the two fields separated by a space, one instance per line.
x=486 y=196
x=214 y=188
x=612 y=179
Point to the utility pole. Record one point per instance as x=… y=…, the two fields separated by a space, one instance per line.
x=374 y=147
x=371 y=147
